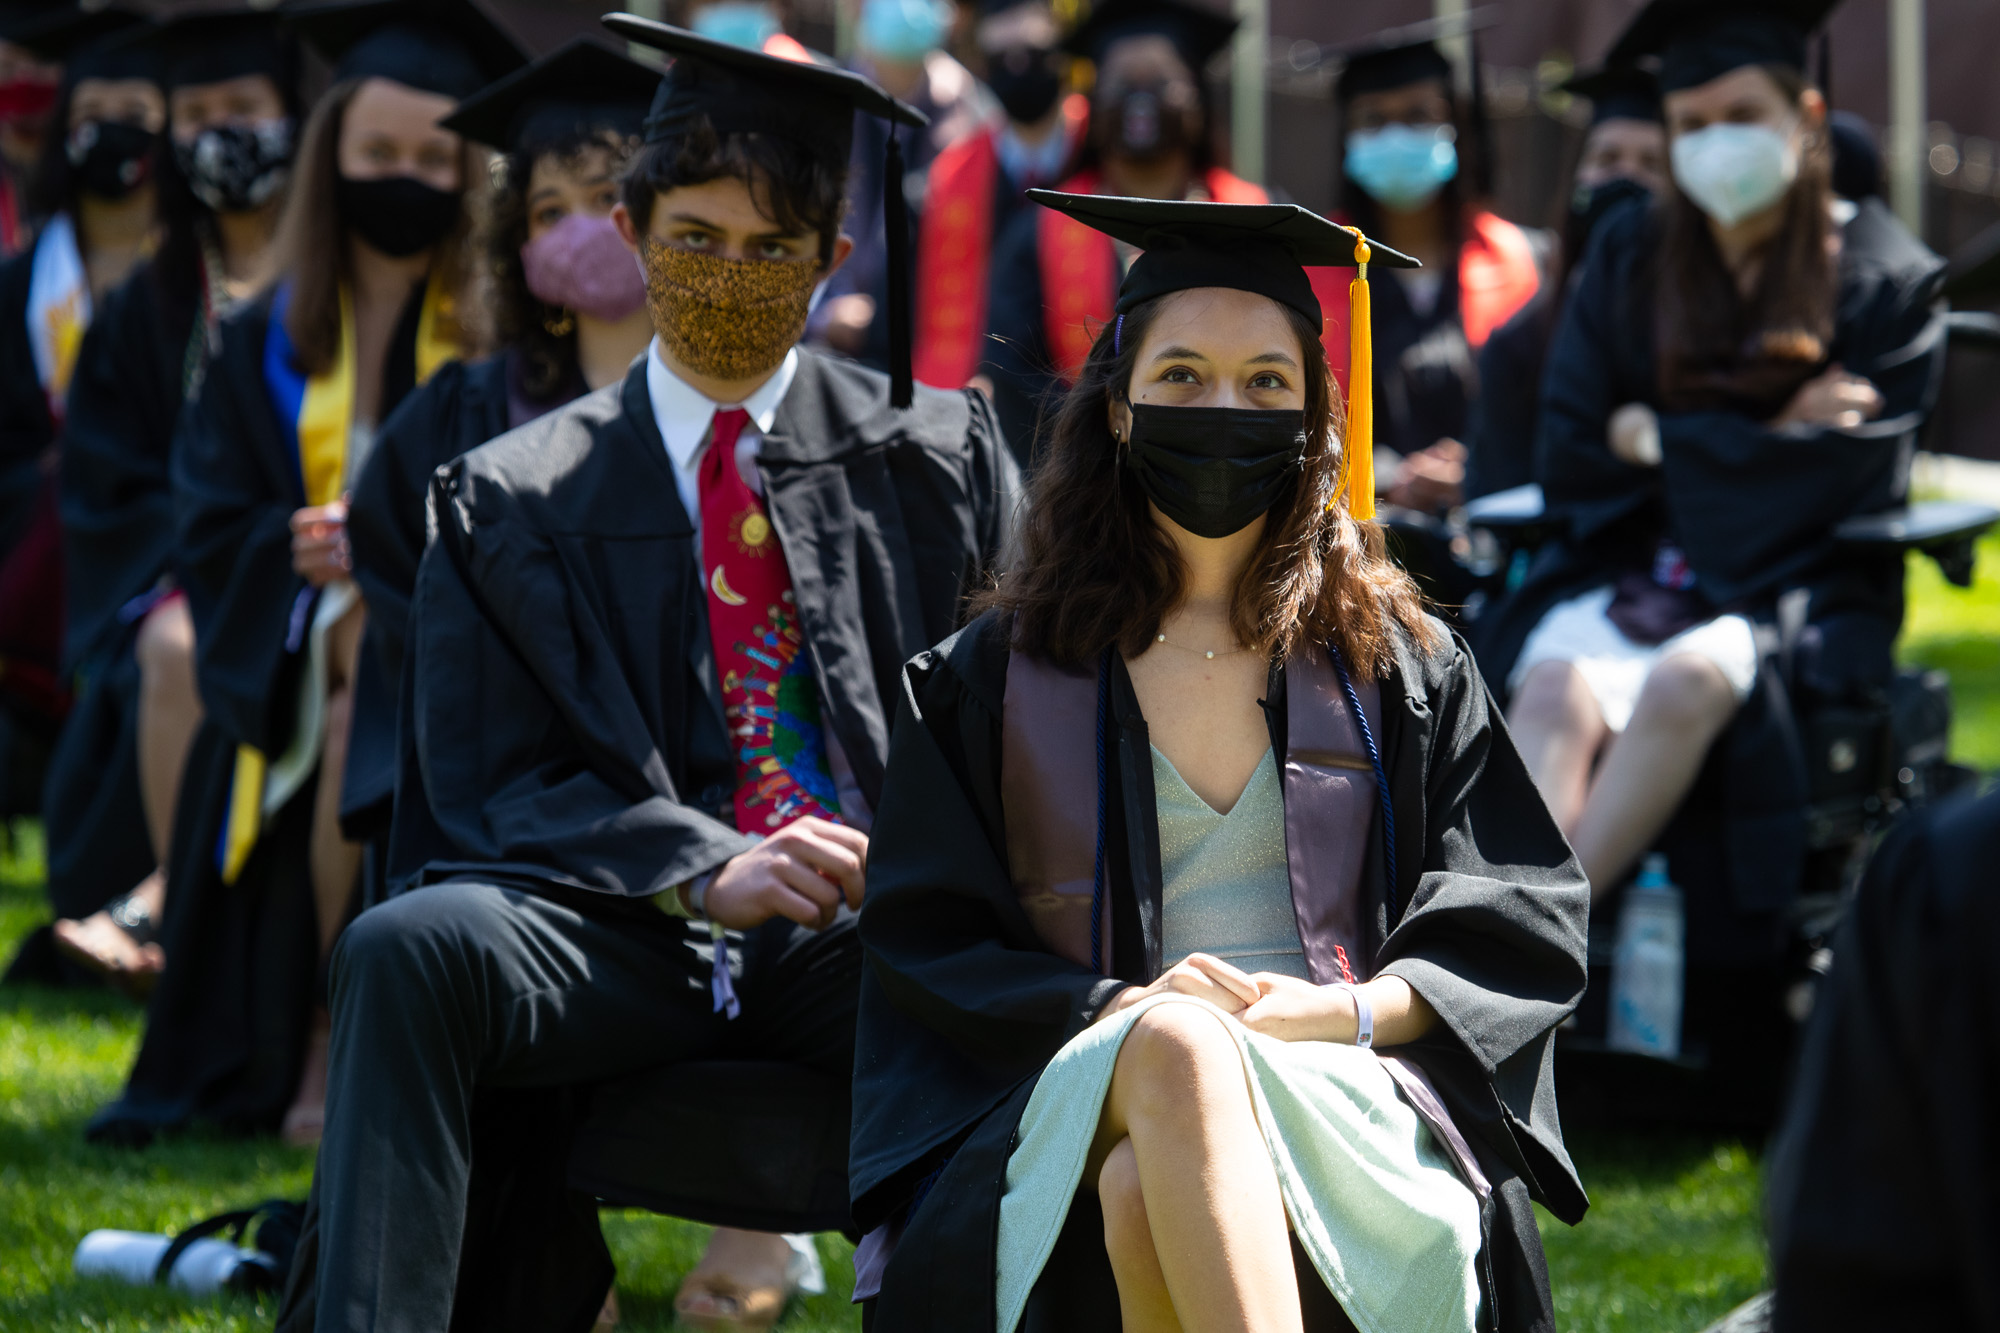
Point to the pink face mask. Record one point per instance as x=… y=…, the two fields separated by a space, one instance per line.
x=582 y=265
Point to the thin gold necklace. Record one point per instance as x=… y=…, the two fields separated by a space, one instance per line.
x=1208 y=653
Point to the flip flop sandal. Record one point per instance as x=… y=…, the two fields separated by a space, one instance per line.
x=136 y=923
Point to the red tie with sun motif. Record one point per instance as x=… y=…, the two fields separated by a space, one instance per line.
x=770 y=697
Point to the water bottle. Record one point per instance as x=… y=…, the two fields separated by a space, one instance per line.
x=204 y=1268
x=1648 y=967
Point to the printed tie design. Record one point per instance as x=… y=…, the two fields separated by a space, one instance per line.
x=770 y=697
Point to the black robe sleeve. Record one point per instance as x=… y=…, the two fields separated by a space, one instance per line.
x=535 y=751
x=235 y=491
x=117 y=498
x=457 y=409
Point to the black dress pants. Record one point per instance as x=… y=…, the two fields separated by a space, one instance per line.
x=467 y=987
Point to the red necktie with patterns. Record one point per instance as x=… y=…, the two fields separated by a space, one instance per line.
x=770 y=697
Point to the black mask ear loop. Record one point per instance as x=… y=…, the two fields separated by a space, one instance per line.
x=1118 y=349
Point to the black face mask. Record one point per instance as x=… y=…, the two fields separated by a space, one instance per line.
x=395 y=214
x=110 y=157
x=1026 y=82
x=236 y=168
x=1213 y=470
x=1590 y=206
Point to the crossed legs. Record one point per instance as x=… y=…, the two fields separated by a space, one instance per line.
x=1613 y=793
x=1193 y=1220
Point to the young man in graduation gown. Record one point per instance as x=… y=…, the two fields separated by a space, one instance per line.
x=1054 y=281
x=976 y=186
x=655 y=648
x=1412 y=152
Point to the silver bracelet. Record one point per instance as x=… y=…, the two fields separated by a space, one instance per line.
x=1364 y=1014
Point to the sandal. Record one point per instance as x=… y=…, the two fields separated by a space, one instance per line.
x=123 y=947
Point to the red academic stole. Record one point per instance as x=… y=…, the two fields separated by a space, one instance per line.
x=955 y=252
x=770 y=698
x=1080 y=267
x=1497 y=275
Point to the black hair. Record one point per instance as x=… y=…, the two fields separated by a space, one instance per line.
x=796 y=188
x=523 y=323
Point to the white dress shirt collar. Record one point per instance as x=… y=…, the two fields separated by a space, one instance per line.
x=683 y=412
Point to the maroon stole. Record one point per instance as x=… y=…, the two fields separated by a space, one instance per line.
x=1048 y=798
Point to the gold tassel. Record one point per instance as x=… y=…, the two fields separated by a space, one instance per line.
x=1359 y=442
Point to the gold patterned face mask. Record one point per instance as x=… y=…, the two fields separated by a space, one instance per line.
x=726 y=318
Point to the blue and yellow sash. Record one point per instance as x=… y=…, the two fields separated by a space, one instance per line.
x=318 y=410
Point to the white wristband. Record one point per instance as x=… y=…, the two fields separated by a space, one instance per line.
x=1364 y=1014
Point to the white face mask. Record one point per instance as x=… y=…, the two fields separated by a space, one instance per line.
x=1735 y=171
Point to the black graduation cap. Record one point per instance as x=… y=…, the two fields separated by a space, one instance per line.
x=1618 y=92
x=452 y=47
x=1261 y=248
x=581 y=83
x=1196 y=31
x=1700 y=40
x=214 y=44
x=1399 y=57
x=739 y=91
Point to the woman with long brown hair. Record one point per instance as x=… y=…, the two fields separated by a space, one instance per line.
x=1744 y=365
x=365 y=305
x=1207 y=899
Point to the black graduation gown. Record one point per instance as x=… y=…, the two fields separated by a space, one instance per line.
x=962 y=1006
x=118 y=539
x=1426 y=380
x=1500 y=433
x=566 y=715
x=226 y=1025
x=458 y=409
x=1754 y=510
x=26 y=427
x=1883 y=1177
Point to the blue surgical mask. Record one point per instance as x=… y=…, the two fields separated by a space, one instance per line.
x=744 y=23
x=1402 y=166
x=903 y=30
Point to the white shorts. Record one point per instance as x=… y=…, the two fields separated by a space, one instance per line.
x=1580 y=633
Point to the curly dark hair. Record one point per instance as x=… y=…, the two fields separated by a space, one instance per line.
x=522 y=322
x=1096 y=570
x=795 y=187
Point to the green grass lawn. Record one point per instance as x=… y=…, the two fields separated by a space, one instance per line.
x=1672 y=1241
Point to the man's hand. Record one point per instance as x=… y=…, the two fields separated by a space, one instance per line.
x=320 y=552
x=1634 y=435
x=803 y=873
x=1228 y=988
x=1832 y=398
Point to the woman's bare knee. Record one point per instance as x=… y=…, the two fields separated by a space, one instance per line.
x=1688 y=695
x=1553 y=700
x=165 y=645
x=1171 y=1053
